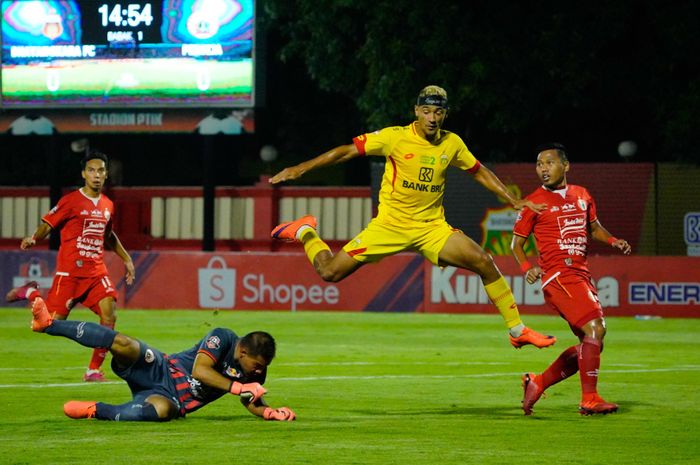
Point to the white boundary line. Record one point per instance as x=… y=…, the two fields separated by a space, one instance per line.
x=473 y=375
x=350 y=377
x=328 y=364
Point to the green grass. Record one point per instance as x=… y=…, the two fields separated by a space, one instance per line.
x=367 y=389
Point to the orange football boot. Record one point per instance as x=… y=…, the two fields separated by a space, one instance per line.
x=530 y=336
x=288 y=231
x=80 y=409
x=596 y=406
x=41 y=317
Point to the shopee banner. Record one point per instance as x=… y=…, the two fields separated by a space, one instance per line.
x=244 y=281
x=664 y=286
x=267 y=280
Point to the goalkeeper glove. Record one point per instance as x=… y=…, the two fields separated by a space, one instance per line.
x=250 y=391
x=279 y=414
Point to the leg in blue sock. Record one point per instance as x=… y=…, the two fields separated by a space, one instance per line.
x=87 y=334
x=130 y=411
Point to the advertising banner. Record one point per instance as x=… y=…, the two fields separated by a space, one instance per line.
x=627 y=286
x=266 y=281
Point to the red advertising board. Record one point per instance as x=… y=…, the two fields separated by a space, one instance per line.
x=266 y=280
x=627 y=286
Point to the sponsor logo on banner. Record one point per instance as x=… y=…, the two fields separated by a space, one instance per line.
x=450 y=286
x=691 y=233
x=497 y=232
x=257 y=291
x=33 y=270
x=447 y=286
x=217 y=285
x=673 y=293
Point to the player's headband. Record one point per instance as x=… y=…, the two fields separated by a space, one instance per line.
x=436 y=100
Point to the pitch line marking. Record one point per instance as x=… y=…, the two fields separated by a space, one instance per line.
x=474 y=375
x=335 y=378
x=297 y=364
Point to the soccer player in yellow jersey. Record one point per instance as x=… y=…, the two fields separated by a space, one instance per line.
x=410 y=214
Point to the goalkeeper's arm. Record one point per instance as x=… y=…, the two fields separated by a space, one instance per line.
x=203 y=370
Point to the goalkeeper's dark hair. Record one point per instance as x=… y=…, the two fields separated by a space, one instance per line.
x=94 y=155
x=561 y=150
x=260 y=343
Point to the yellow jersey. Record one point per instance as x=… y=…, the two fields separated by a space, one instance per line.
x=413 y=184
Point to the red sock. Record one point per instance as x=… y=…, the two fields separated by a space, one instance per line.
x=588 y=364
x=33 y=295
x=98 y=355
x=563 y=367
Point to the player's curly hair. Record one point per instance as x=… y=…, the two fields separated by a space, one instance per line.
x=260 y=343
x=561 y=150
x=94 y=155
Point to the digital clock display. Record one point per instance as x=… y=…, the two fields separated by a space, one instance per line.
x=133 y=15
x=63 y=53
x=121 y=22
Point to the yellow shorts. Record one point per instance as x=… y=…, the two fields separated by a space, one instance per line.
x=379 y=240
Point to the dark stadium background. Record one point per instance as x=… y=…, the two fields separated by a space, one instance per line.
x=589 y=76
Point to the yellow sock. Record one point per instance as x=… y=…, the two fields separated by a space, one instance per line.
x=502 y=297
x=313 y=244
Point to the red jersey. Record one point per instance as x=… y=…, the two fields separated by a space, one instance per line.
x=561 y=231
x=84 y=223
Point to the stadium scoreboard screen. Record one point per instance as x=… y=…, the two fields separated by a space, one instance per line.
x=91 y=53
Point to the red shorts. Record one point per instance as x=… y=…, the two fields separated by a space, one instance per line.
x=575 y=298
x=66 y=291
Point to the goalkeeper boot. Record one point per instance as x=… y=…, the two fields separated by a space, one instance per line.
x=21 y=292
x=94 y=376
x=596 y=406
x=41 y=318
x=532 y=391
x=530 y=336
x=80 y=409
x=290 y=231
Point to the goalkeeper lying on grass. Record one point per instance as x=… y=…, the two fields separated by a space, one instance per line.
x=171 y=386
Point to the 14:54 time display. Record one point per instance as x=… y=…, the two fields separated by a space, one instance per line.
x=131 y=15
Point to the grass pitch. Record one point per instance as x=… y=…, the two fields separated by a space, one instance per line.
x=367 y=389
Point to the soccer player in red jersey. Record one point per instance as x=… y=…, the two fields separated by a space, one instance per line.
x=411 y=216
x=84 y=218
x=562 y=233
